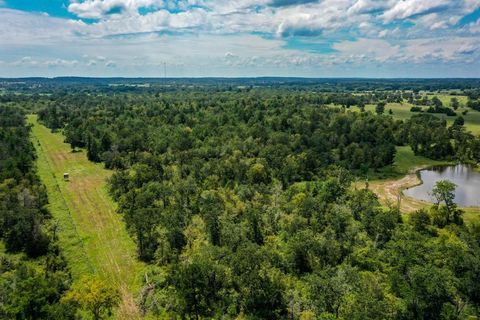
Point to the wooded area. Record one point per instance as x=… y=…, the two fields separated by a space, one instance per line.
x=242 y=201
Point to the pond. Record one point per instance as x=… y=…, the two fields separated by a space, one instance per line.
x=464 y=176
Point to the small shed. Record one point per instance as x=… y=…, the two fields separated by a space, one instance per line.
x=66 y=176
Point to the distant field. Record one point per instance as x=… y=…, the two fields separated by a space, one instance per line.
x=92 y=235
x=401 y=111
x=471 y=215
x=446 y=98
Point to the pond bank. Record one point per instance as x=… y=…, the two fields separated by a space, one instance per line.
x=389 y=190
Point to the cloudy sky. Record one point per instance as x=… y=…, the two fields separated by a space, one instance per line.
x=312 y=38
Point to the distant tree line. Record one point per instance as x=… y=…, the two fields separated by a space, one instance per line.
x=112 y=86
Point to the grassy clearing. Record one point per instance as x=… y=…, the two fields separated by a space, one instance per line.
x=389 y=182
x=404 y=169
x=402 y=112
x=405 y=162
x=92 y=235
x=446 y=98
x=472 y=215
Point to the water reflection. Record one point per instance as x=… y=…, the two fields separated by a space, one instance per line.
x=465 y=177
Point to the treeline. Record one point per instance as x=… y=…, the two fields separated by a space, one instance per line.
x=431 y=137
x=242 y=204
x=290 y=135
x=152 y=85
x=33 y=273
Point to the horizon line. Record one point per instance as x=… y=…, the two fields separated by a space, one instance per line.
x=234 y=77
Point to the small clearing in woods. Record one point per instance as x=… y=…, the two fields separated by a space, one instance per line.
x=405 y=167
x=93 y=237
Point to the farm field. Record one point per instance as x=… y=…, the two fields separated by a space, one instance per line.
x=92 y=235
x=402 y=112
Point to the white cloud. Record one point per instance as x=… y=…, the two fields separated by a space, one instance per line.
x=17 y=27
x=379 y=50
x=60 y=63
x=409 y=51
x=110 y=64
x=95 y=9
x=358 y=17
x=218 y=35
x=474 y=27
x=367 y=6
x=445 y=49
x=315 y=18
x=28 y=61
x=408 y=8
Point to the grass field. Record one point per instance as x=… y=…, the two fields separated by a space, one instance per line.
x=446 y=98
x=92 y=235
x=401 y=111
x=406 y=161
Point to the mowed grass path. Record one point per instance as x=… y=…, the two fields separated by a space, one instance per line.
x=92 y=235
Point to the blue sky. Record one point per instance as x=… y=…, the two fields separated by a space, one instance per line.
x=311 y=38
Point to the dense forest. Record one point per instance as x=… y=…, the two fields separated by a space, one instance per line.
x=247 y=199
x=242 y=203
x=33 y=273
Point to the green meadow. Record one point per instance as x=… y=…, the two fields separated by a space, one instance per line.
x=401 y=111
x=92 y=235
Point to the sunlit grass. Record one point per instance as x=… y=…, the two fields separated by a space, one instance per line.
x=92 y=235
x=401 y=111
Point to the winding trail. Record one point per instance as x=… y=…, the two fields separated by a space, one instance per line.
x=93 y=237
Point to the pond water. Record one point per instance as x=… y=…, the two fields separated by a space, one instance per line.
x=465 y=177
